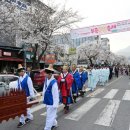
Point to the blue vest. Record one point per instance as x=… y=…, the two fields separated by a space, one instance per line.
x=83 y=77
x=24 y=86
x=76 y=83
x=48 y=98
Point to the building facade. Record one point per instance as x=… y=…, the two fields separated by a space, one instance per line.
x=10 y=57
x=66 y=39
x=105 y=44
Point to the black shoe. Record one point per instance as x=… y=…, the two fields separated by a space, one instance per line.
x=28 y=120
x=53 y=127
x=20 y=125
x=74 y=98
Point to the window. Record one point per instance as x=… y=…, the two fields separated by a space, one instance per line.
x=9 y=1
x=14 y=1
x=19 y=3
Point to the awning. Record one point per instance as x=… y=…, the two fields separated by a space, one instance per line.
x=11 y=59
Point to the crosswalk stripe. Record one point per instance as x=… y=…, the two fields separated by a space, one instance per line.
x=107 y=116
x=126 y=95
x=78 y=113
x=111 y=94
x=34 y=109
x=96 y=92
x=59 y=109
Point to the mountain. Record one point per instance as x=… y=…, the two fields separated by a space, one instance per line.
x=125 y=52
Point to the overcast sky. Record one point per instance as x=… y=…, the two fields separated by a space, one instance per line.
x=98 y=12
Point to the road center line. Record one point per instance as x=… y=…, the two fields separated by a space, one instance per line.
x=107 y=116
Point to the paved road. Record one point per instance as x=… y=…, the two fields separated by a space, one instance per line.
x=107 y=108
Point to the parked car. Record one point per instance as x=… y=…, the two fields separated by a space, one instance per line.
x=38 y=77
x=7 y=81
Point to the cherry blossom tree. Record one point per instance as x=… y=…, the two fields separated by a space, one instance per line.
x=89 y=51
x=36 y=26
x=94 y=52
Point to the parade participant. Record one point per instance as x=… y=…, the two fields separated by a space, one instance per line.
x=108 y=73
x=90 y=79
x=111 y=74
x=117 y=71
x=50 y=98
x=76 y=83
x=100 y=75
x=28 y=71
x=25 y=83
x=83 y=78
x=94 y=80
x=65 y=84
x=105 y=74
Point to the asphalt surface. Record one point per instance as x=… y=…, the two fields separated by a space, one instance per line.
x=107 y=108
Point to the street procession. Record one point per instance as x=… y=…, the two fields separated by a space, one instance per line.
x=64 y=65
x=71 y=84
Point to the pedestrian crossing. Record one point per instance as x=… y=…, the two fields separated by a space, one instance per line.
x=111 y=94
x=107 y=115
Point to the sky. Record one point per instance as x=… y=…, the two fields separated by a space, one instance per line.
x=96 y=12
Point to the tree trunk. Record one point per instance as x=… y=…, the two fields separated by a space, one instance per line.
x=41 y=55
x=91 y=63
x=34 y=63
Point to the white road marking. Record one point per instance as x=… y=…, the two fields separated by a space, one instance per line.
x=59 y=109
x=126 y=95
x=107 y=116
x=113 y=81
x=129 y=127
x=96 y=92
x=34 y=109
x=111 y=94
x=78 y=113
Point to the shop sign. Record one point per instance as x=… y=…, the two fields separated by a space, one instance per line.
x=72 y=51
x=29 y=56
x=50 y=59
x=7 y=53
x=82 y=62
